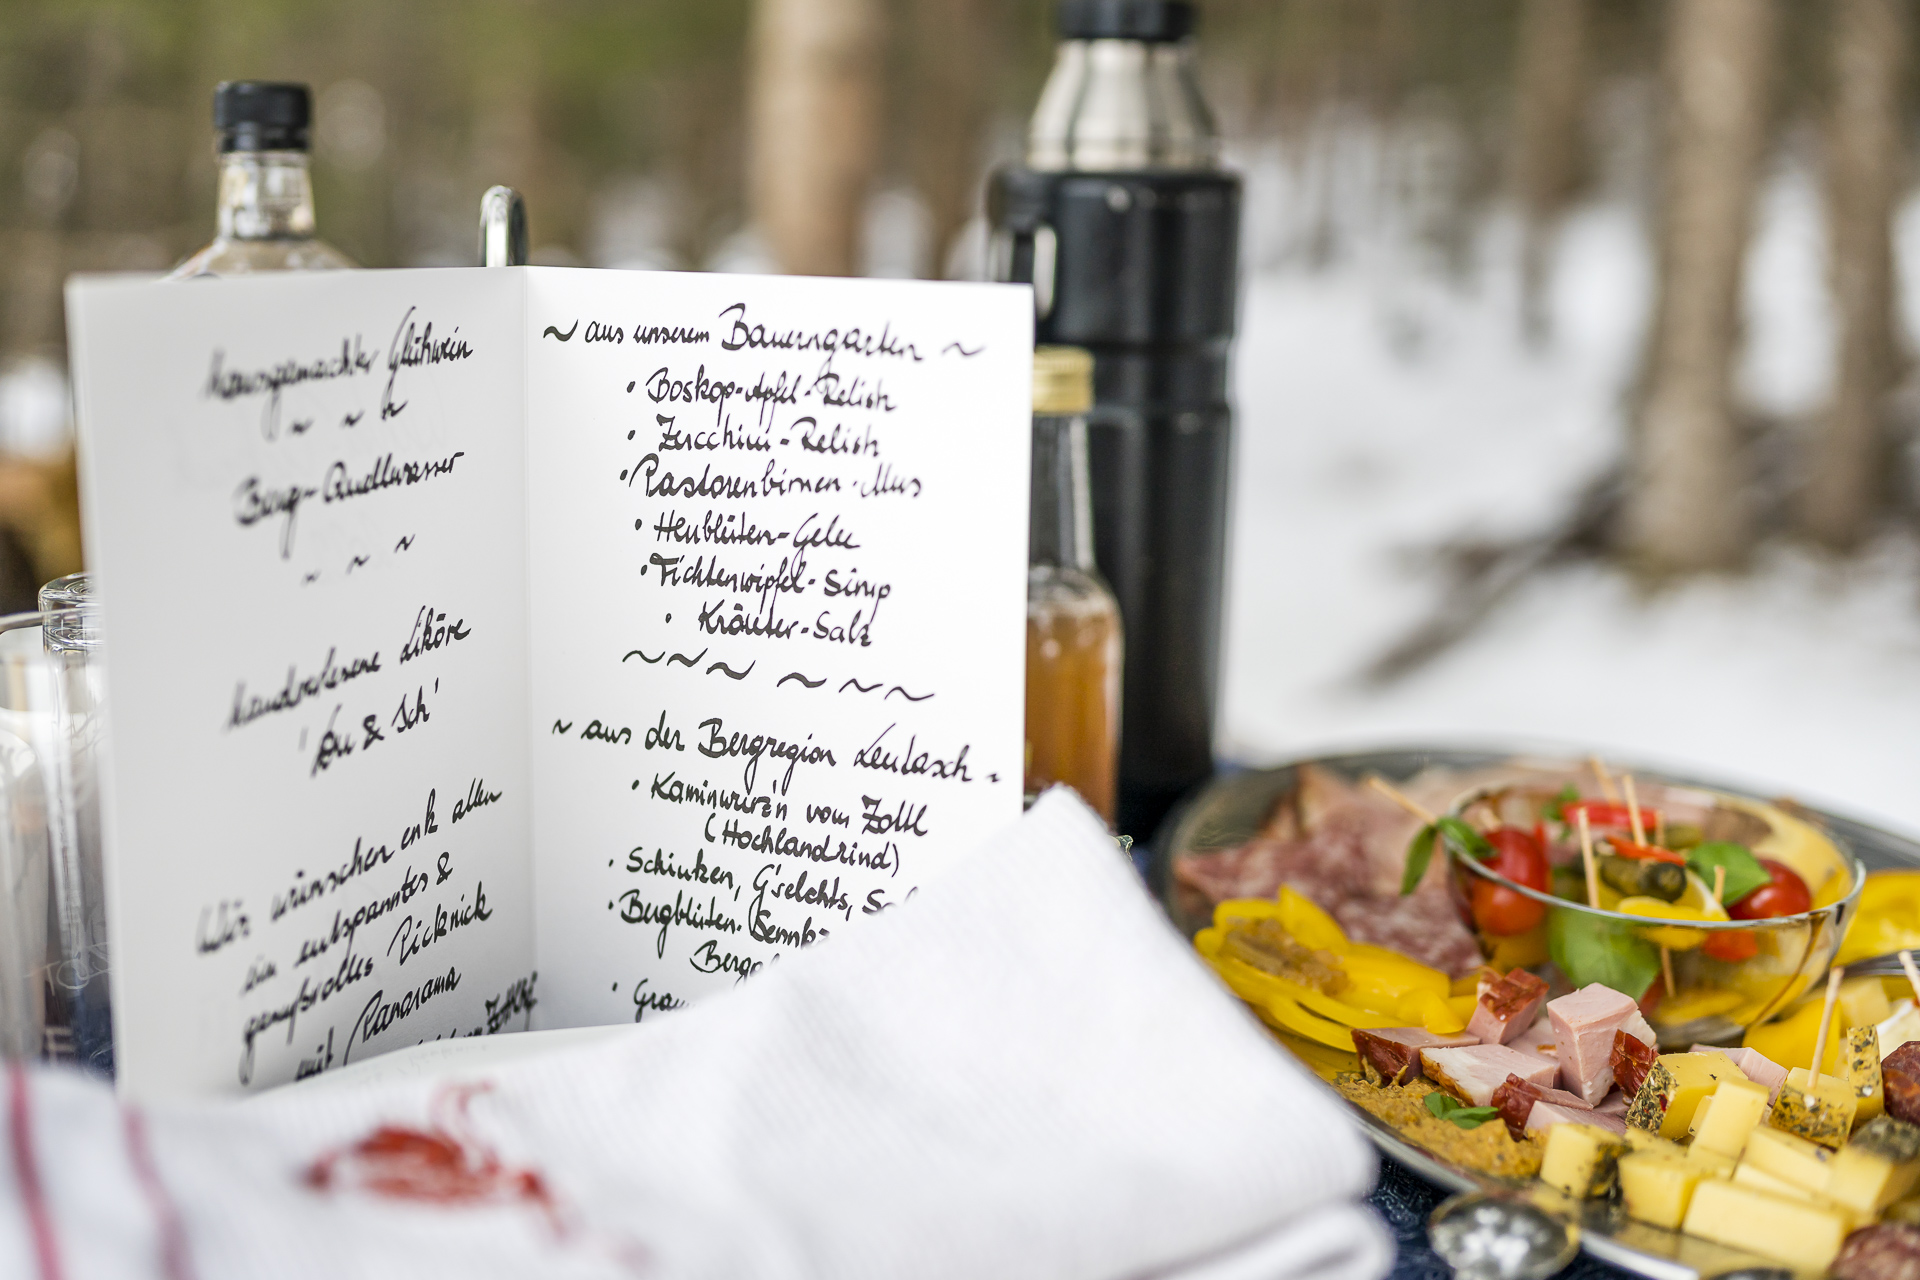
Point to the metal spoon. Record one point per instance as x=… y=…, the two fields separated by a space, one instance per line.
x=1488 y=1236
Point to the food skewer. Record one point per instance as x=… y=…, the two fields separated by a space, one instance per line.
x=1606 y=779
x=1394 y=794
x=1826 y=1020
x=1633 y=811
x=1666 y=969
x=1719 y=887
x=1586 y=856
x=1913 y=974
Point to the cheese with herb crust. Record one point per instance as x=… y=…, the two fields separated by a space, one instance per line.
x=1824 y=1115
x=1880 y=1165
x=1581 y=1159
x=1860 y=1059
x=1673 y=1090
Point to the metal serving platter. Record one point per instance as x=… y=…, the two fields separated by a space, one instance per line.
x=1232 y=809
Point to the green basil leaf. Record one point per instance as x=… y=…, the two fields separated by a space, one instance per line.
x=1419 y=854
x=1557 y=807
x=1445 y=1106
x=1591 y=949
x=1744 y=872
x=1463 y=839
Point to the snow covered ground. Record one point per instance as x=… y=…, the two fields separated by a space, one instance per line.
x=1381 y=409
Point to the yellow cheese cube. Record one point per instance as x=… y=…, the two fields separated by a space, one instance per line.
x=1797 y=1232
x=1863 y=1001
x=1700 y=1114
x=1751 y=1175
x=1580 y=1159
x=1877 y=1167
x=1673 y=1090
x=1804 y=1164
x=1657 y=1188
x=1860 y=1061
x=1824 y=1116
x=1641 y=1140
x=1711 y=1162
x=1737 y=1108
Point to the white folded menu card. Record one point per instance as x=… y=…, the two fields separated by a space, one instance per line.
x=494 y=649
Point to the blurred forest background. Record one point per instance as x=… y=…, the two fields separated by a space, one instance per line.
x=1718 y=189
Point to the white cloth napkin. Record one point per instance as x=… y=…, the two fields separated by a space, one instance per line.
x=1023 y=1071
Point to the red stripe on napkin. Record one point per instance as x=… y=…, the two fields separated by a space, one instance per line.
x=173 y=1237
x=26 y=1171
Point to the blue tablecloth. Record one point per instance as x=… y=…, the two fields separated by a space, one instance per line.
x=1403 y=1199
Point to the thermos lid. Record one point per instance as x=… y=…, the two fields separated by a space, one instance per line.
x=1062 y=381
x=262 y=115
x=1157 y=21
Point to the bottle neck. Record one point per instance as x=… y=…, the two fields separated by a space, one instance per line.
x=1122 y=105
x=1060 y=519
x=265 y=195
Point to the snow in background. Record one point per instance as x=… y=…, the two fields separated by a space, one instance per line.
x=1385 y=406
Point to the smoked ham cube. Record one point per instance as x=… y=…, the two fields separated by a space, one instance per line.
x=1585 y=1021
x=1540 y=1038
x=1753 y=1064
x=1630 y=1060
x=1391 y=1055
x=1474 y=1072
x=1547 y=1114
x=1507 y=1007
x=1516 y=1099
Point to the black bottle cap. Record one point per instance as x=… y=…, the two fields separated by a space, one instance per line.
x=1158 y=21
x=262 y=115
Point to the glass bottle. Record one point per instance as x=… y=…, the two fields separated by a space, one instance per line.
x=265 y=216
x=1073 y=621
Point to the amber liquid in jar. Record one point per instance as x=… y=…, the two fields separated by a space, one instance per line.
x=1074 y=642
x=1073 y=686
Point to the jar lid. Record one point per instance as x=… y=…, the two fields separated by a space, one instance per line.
x=1156 y=21
x=1062 y=381
x=262 y=115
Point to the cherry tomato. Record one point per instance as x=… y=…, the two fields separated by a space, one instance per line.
x=1498 y=910
x=1731 y=946
x=1605 y=813
x=1784 y=895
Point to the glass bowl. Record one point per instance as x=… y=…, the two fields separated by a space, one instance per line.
x=1698 y=980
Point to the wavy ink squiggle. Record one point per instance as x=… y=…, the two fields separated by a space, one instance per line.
x=864 y=688
x=795 y=675
x=729 y=672
x=910 y=697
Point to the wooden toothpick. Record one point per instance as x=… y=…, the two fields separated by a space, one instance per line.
x=1606 y=779
x=1633 y=811
x=1719 y=887
x=1393 y=793
x=1666 y=968
x=1913 y=974
x=1826 y=1020
x=1586 y=855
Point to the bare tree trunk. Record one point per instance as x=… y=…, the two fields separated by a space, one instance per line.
x=1550 y=102
x=1847 y=485
x=1688 y=508
x=814 y=128
x=949 y=95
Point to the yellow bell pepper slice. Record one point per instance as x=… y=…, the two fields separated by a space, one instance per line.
x=1254 y=985
x=1888 y=919
x=1288 y=1016
x=1208 y=941
x=1670 y=938
x=1435 y=1013
x=1307 y=922
x=1789 y=1040
x=1390 y=970
x=1234 y=909
x=1689 y=1005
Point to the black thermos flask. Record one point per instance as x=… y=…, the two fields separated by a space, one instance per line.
x=1128 y=231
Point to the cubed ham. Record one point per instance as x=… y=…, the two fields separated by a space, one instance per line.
x=1585 y=1021
x=1546 y=1114
x=1393 y=1053
x=1516 y=1100
x=1474 y=1072
x=1756 y=1065
x=1630 y=1060
x=1615 y=1103
x=1506 y=1008
x=1539 y=1038
x=1636 y=1026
